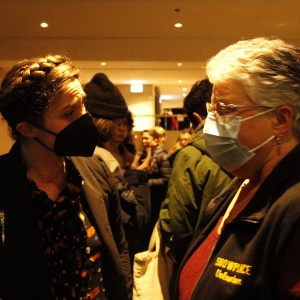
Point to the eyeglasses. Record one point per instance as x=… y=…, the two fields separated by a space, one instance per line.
x=223 y=109
x=223 y=112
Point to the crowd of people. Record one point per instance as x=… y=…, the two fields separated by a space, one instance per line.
x=79 y=199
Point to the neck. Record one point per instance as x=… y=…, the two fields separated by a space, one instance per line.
x=273 y=157
x=112 y=146
x=43 y=165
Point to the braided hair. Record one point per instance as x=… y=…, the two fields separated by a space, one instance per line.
x=28 y=89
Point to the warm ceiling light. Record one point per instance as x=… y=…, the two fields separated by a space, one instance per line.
x=179 y=81
x=183 y=95
x=179 y=64
x=103 y=63
x=184 y=89
x=44 y=25
x=178 y=25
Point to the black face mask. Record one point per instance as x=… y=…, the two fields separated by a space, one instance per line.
x=79 y=138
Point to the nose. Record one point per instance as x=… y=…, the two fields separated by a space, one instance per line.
x=123 y=126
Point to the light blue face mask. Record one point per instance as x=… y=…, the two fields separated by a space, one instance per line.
x=222 y=141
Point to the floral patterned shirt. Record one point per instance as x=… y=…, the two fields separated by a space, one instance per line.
x=72 y=248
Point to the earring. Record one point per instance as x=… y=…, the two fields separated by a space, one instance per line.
x=279 y=144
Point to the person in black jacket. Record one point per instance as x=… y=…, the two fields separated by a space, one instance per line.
x=247 y=245
x=60 y=214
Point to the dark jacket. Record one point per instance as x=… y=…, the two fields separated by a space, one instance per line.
x=135 y=202
x=22 y=267
x=159 y=179
x=247 y=261
x=136 y=209
x=194 y=181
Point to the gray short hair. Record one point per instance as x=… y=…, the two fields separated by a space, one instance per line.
x=268 y=69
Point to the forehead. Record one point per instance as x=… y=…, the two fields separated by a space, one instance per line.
x=71 y=93
x=119 y=120
x=146 y=135
x=229 y=92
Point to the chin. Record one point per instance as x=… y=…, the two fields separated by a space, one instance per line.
x=244 y=172
x=118 y=139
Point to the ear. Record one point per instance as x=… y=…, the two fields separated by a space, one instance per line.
x=284 y=118
x=26 y=129
x=198 y=117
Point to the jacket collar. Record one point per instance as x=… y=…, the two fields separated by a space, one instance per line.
x=285 y=175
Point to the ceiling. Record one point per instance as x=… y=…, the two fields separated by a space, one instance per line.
x=137 y=38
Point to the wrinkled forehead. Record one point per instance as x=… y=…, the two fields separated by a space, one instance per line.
x=228 y=91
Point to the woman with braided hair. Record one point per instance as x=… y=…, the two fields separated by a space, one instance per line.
x=61 y=231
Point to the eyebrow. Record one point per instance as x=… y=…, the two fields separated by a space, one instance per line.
x=73 y=103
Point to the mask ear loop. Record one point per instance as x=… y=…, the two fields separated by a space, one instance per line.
x=259 y=114
x=262 y=144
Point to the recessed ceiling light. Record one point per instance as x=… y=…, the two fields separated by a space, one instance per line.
x=179 y=81
x=184 y=89
x=178 y=25
x=183 y=95
x=179 y=64
x=44 y=25
x=103 y=63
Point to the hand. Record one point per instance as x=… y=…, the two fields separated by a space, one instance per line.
x=146 y=164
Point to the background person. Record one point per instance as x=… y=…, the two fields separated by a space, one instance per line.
x=162 y=135
x=195 y=178
x=61 y=230
x=182 y=140
x=129 y=141
x=249 y=248
x=159 y=172
x=109 y=109
x=110 y=114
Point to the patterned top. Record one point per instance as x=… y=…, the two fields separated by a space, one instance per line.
x=73 y=250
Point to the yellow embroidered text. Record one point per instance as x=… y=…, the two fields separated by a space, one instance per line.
x=231 y=267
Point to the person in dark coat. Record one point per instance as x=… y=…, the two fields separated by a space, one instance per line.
x=194 y=181
x=60 y=214
x=247 y=245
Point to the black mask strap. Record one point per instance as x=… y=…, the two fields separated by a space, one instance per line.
x=41 y=143
x=44 y=129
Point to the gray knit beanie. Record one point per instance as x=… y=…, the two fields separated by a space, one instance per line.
x=104 y=99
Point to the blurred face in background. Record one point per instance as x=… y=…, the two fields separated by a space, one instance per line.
x=120 y=130
x=148 y=140
x=184 y=139
x=162 y=139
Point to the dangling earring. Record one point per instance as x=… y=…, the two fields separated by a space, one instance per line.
x=279 y=144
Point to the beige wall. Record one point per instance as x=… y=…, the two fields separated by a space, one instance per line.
x=141 y=105
x=5 y=141
x=171 y=104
